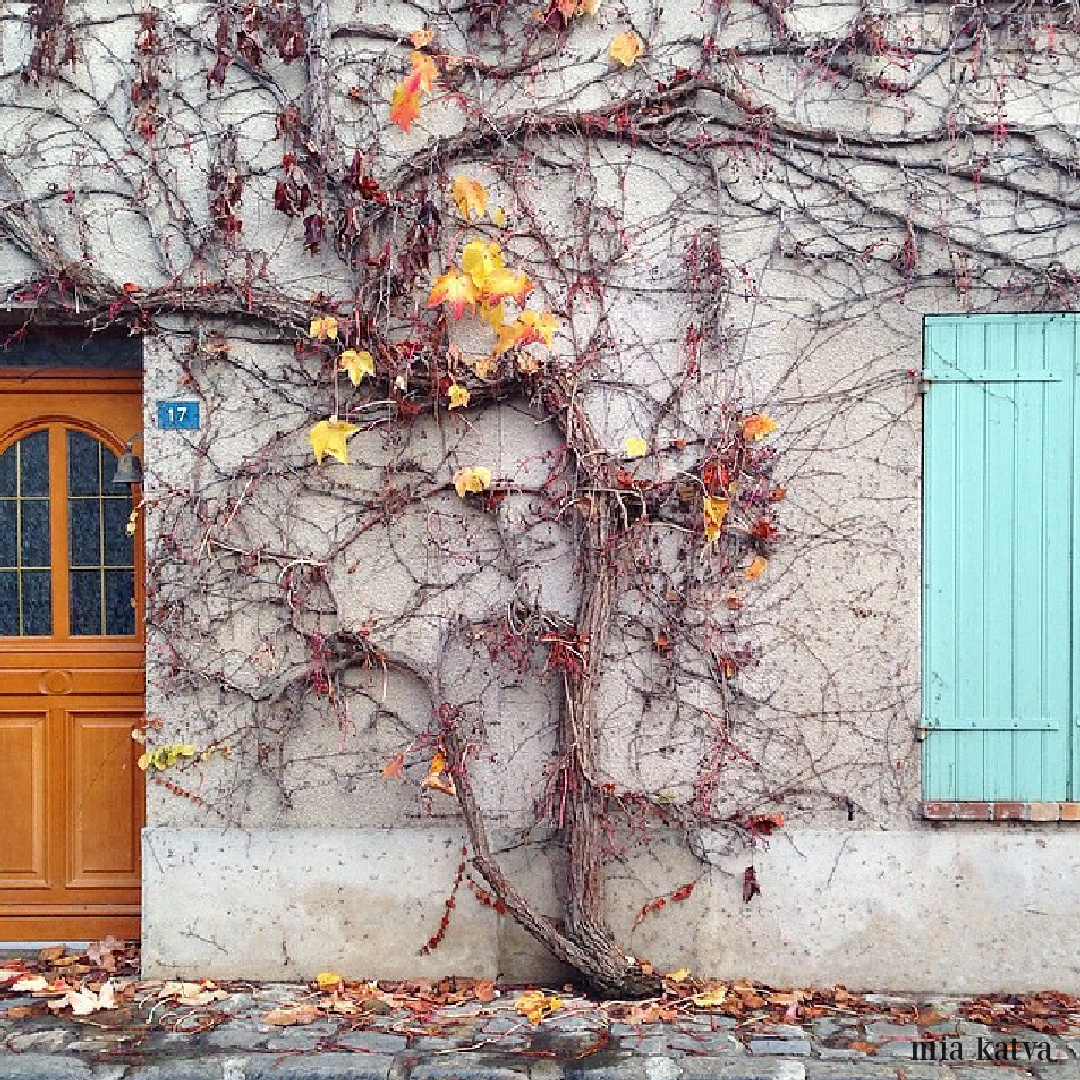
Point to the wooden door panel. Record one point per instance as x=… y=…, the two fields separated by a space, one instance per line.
x=105 y=791
x=23 y=799
x=71 y=688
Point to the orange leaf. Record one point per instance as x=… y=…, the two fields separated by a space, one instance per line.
x=421 y=38
x=437 y=778
x=757 y=426
x=405 y=107
x=293 y=1014
x=757 y=567
x=392 y=769
x=456 y=290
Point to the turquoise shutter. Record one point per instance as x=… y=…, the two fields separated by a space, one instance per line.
x=997 y=500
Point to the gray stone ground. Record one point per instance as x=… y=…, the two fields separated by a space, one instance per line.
x=231 y=1040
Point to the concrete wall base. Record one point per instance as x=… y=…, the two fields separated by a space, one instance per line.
x=943 y=910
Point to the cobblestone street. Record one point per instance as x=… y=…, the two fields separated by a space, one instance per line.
x=231 y=1039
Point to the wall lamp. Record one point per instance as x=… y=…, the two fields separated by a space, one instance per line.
x=129 y=468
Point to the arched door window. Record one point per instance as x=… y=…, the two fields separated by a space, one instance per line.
x=81 y=582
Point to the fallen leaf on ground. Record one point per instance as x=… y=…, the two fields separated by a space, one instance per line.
x=865 y=1047
x=85 y=1002
x=710 y=999
x=535 y=1005
x=635 y=447
x=329 y=980
x=305 y=1013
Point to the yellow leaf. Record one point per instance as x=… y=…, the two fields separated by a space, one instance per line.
x=459 y=396
x=493 y=314
x=328 y=437
x=357 y=364
x=501 y=283
x=540 y=324
x=713 y=510
x=635 y=447
x=421 y=39
x=474 y=478
x=757 y=567
x=424 y=73
x=625 y=48
x=509 y=334
x=470 y=196
x=711 y=998
x=500 y=216
x=480 y=260
x=678 y=976
x=328 y=980
x=405 y=106
x=165 y=756
x=330 y=327
x=590 y=7
x=535 y=1005
x=484 y=367
x=316 y=329
x=456 y=290
x=757 y=426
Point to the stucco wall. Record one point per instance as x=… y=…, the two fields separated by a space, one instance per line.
x=829 y=254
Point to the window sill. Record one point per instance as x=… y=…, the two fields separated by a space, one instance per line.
x=1001 y=811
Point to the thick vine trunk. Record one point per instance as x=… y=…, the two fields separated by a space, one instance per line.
x=584 y=941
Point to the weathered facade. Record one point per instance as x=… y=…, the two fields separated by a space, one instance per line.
x=771 y=212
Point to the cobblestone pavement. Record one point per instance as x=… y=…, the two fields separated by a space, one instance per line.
x=230 y=1039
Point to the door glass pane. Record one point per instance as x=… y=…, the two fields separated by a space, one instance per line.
x=9 y=532
x=25 y=592
x=34 y=533
x=86 y=602
x=84 y=523
x=9 y=603
x=36 y=602
x=119 y=546
x=7 y=473
x=119 y=605
x=102 y=554
x=84 y=468
x=34 y=464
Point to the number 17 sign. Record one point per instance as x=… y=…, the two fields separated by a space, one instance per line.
x=178 y=415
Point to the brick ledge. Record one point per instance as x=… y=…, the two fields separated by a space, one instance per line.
x=1000 y=811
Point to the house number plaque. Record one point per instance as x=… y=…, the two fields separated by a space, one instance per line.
x=178 y=415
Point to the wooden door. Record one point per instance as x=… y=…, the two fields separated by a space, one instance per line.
x=71 y=658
